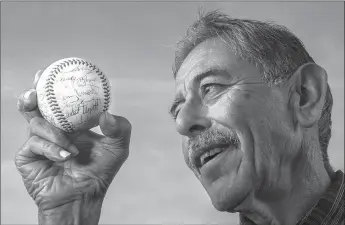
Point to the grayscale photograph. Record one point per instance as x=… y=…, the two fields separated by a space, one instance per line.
x=172 y=112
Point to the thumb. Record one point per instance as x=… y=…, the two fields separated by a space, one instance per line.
x=117 y=129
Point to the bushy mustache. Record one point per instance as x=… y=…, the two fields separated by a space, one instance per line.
x=210 y=137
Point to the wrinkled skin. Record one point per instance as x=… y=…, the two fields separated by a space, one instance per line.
x=86 y=174
x=232 y=101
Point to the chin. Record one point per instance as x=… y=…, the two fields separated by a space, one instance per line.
x=222 y=206
x=227 y=202
x=229 y=194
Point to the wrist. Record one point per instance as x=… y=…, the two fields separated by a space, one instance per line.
x=77 y=212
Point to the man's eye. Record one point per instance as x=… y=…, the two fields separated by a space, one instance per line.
x=211 y=88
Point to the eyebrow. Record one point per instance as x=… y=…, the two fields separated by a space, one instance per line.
x=197 y=79
x=210 y=72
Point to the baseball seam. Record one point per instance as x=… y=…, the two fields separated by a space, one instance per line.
x=51 y=98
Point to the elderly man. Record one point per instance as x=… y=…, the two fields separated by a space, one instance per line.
x=254 y=111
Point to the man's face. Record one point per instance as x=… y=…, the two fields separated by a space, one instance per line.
x=236 y=129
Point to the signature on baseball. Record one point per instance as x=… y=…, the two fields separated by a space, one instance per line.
x=82 y=107
x=80 y=86
x=87 y=111
x=81 y=81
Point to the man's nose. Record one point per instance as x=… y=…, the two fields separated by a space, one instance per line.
x=192 y=119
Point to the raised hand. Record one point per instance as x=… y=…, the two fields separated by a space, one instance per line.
x=62 y=170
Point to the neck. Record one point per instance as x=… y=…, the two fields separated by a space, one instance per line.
x=301 y=186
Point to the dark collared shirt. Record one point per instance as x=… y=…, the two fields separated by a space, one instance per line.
x=329 y=210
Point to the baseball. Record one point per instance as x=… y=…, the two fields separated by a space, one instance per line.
x=72 y=93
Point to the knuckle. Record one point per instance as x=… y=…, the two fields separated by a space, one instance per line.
x=21 y=96
x=18 y=161
x=49 y=147
x=32 y=140
x=36 y=122
x=39 y=143
x=25 y=145
x=19 y=104
x=18 y=156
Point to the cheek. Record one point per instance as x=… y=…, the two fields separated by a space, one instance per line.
x=272 y=135
x=230 y=109
x=235 y=111
x=246 y=112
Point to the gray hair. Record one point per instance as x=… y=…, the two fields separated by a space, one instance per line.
x=272 y=48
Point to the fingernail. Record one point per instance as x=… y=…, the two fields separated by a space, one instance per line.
x=64 y=154
x=111 y=119
x=27 y=94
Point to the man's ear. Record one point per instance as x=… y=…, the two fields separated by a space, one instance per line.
x=309 y=87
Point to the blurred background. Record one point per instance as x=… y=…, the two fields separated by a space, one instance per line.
x=133 y=42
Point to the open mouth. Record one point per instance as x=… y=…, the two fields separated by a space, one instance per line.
x=211 y=154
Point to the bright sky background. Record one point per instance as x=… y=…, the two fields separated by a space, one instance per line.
x=133 y=43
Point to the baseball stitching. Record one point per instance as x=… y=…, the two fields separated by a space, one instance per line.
x=52 y=102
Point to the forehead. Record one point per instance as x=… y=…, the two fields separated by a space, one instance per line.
x=211 y=54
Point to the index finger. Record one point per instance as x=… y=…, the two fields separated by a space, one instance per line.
x=27 y=101
x=27 y=105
